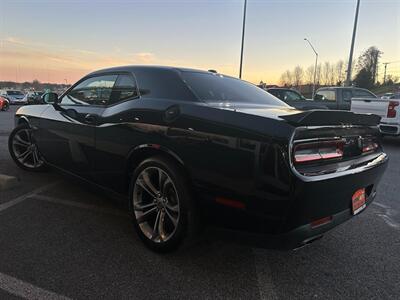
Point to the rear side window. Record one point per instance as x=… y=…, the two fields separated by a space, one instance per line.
x=347 y=95
x=166 y=84
x=124 y=89
x=362 y=94
x=325 y=95
x=92 y=91
x=292 y=96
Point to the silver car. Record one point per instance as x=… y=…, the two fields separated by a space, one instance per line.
x=13 y=96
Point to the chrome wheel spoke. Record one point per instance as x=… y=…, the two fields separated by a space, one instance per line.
x=174 y=208
x=35 y=158
x=24 y=154
x=143 y=185
x=161 y=181
x=155 y=233
x=145 y=182
x=144 y=217
x=161 y=231
x=142 y=208
x=148 y=183
x=20 y=142
x=28 y=135
x=172 y=218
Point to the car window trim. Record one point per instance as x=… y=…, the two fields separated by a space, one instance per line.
x=98 y=75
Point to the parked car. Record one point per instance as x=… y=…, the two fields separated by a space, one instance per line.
x=33 y=97
x=14 y=97
x=295 y=99
x=187 y=148
x=394 y=96
x=387 y=95
x=387 y=109
x=336 y=98
x=340 y=97
x=4 y=104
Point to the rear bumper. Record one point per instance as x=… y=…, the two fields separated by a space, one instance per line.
x=294 y=239
x=311 y=201
x=389 y=129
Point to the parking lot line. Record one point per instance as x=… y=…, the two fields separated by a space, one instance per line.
x=388 y=215
x=92 y=207
x=19 y=199
x=26 y=290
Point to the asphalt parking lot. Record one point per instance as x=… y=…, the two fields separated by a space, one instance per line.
x=61 y=240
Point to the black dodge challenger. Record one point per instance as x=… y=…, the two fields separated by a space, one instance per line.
x=187 y=148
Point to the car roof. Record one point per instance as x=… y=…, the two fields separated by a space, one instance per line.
x=282 y=89
x=342 y=87
x=133 y=68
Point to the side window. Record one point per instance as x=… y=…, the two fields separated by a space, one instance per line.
x=362 y=94
x=347 y=95
x=325 y=95
x=276 y=93
x=92 y=91
x=124 y=88
x=292 y=96
x=165 y=84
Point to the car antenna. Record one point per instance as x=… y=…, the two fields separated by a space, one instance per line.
x=213 y=71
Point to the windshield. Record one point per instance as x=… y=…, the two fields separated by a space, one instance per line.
x=211 y=87
x=14 y=93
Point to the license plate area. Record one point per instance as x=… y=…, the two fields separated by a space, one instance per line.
x=358 y=201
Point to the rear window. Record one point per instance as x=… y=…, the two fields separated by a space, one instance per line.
x=211 y=87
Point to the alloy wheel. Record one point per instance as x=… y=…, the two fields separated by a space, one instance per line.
x=156 y=204
x=25 y=149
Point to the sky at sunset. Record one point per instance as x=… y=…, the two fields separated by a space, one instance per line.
x=60 y=41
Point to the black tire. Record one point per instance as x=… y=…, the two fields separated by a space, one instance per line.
x=6 y=106
x=187 y=226
x=35 y=167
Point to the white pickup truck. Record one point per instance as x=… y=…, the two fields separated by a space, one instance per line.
x=387 y=109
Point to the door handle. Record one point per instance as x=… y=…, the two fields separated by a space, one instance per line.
x=90 y=119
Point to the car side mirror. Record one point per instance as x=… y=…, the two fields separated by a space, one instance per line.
x=50 y=98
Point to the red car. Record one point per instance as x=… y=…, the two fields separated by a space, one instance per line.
x=4 y=104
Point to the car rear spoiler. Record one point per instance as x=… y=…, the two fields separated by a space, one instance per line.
x=331 y=117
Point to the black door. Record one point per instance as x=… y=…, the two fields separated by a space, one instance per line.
x=115 y=133
x=67 y=135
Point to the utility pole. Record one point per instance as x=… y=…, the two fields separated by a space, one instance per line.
x=315 y=68
x=384 y=74
x=243 y=30
x=348 y=80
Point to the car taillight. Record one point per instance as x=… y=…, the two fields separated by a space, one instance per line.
x=315 y=151
x=391 y=112
x=369 y=146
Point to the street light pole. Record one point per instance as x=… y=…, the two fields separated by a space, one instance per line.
x=384 y=75
x=315 y=68
x=243 y=30
x=348 y=79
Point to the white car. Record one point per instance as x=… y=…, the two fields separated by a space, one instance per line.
x=13 y=96
x=387 y=109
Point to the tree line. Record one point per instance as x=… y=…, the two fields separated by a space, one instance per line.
x=34 y=85
x=365 y=72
